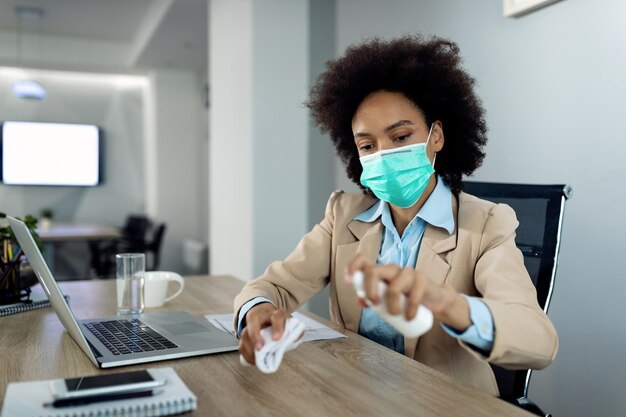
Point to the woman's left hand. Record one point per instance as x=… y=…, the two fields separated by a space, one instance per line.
x=447 y=305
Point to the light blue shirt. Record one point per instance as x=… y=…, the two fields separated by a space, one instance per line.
x=403 y=251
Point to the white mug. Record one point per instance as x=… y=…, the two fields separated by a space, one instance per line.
x=155 y=287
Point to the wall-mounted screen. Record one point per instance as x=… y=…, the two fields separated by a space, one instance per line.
x=50 y=154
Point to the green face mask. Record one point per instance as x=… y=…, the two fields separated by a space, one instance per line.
x=398 y=176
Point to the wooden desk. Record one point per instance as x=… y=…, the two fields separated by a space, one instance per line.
x=352 y=376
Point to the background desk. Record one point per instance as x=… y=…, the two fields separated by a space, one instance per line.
x=353 y=376
x=61 y=232
x=72 y=232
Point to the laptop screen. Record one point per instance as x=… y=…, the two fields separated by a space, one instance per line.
x=50 y=287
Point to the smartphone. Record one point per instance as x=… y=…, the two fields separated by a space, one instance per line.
x=118 y=383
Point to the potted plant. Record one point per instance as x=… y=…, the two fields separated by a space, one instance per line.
x=46 y=215
x=13 y=285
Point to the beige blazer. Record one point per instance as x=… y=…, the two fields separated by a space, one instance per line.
x=479 y=259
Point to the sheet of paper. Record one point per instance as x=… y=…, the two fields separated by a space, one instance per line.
x=314 y=330
x=223 y=322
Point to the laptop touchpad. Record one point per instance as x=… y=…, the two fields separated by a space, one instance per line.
x=188 y=327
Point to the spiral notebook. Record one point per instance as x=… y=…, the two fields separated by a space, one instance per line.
x=26 y=399
x=37 y=300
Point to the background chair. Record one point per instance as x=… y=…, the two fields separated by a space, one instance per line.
x=152 y=249
x=539 y=209
x=134 y=232
x=134 y=238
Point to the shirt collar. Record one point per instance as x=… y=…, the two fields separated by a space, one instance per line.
x=372 y=213
x=436 y=211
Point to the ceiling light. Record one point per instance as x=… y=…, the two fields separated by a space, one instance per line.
x=28 y=89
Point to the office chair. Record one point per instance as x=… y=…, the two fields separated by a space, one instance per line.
x=539 y=210
x=134 y=232
x=152 y=249
x=132 y=239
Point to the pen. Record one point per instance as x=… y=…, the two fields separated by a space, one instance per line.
x=17 y=255
x=71 y=402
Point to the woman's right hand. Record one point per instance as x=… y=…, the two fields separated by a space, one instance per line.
x=258 y=317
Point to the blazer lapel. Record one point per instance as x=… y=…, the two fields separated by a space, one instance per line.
x=433 y=261
x=368 y=238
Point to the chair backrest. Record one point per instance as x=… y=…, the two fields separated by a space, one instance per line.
x=136 y=227
x=134 y=232
x=539 y=210
x=153 y=247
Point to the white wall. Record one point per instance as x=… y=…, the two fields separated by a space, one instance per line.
x=230 y=138
x=554 y=87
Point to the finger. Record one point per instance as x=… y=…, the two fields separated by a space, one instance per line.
x=244 y=362
x=246 y=347
x=397 y=287
x=370 y=283
x=416 y=295
x=278 y=324
x=372 y=275
x=253 y=329
x=387 y=273
x=358 y=263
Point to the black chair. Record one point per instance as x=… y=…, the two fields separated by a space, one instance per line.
x=134 y=232
x=152 y=248
x=132 y=239
x=539 y=209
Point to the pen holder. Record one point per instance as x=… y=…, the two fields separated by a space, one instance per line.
x=16 y=276
x=12 y=287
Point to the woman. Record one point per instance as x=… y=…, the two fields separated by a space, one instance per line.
x=406 y=122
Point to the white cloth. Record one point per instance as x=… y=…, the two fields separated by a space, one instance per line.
x=269 y=357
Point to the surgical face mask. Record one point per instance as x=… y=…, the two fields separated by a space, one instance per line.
x=398 y=176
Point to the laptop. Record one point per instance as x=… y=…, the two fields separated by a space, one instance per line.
x=126 y=340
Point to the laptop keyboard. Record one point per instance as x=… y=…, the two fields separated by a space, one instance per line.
x=128 y=336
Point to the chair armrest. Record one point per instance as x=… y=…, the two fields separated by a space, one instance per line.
x=531 y=407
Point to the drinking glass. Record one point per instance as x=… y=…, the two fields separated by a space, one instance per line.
x=131 y=268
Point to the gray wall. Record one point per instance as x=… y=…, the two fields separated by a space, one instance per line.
x=280 y=129
x=554 y=86
x=178 y=189
x=321 y=162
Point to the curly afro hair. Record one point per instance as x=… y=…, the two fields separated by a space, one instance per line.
x=428 y=73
